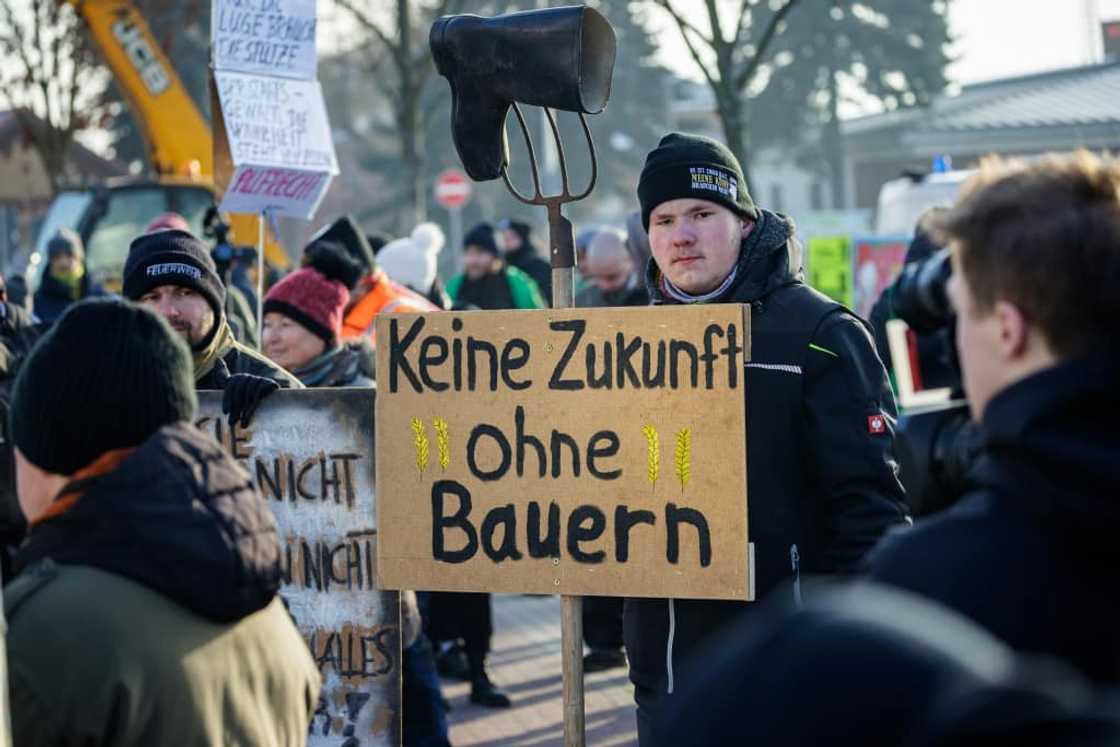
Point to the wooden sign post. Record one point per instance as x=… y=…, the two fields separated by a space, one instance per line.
x=310 y=453
x=572 y=452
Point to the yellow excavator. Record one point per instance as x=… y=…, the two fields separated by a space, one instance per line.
x=180 y=151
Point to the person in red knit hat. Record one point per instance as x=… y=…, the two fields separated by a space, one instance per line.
x=303 y=316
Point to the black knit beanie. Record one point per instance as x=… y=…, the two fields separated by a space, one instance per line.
x=346 y=232
x=107 y=375
x=695 y=167
x=172 y=257
x=482 y=236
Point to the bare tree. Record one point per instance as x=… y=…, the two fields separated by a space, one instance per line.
x=51 y=80
x=403 y=48
x=730 y=56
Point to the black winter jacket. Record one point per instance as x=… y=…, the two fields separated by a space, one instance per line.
x=822 y=478
x=1032 y=553
x=53 y=297
x=529 y=262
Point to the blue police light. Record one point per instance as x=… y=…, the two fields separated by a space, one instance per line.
x=942 y=163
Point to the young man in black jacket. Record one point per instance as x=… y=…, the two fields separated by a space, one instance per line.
x=1031 y=552
x=822 y=483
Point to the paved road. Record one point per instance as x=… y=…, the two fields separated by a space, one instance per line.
x=526 y=664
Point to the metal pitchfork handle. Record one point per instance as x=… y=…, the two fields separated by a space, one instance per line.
x=562 y=252
x=563 y=259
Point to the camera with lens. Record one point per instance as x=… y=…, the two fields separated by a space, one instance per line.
x=936 y=445
x=224 y=252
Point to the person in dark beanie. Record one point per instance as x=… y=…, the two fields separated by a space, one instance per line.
x=64 y=279
x=487 y=281
x=145 y=609
x=173 y=273
x=822 y=474
x=374 y=291
x=303 y=328
x=520 y=251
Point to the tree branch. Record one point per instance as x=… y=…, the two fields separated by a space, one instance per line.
x=751 y=68
x=684 y=27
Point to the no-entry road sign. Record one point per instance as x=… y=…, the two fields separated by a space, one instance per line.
x=453 y=189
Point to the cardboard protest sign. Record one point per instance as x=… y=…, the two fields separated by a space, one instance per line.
x=576 y=451
x=278 y=137
x=266 y=37
x=310 y=453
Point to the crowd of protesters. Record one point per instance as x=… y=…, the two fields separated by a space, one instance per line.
x=1016 y=570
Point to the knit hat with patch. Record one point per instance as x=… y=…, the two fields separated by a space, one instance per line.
x=312 y=298
x=136 y=377
x=684 y=166
x=172 y=257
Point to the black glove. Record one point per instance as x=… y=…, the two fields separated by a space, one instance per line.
x=243 y=393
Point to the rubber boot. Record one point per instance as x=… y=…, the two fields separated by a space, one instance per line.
x=561 y=58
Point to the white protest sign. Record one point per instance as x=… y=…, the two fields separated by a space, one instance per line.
x=266 y=37
x=280 y=142
x=310 y=452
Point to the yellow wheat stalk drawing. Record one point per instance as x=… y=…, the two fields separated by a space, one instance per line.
x=684 y=456
x=443 y=443
x=420 y=443
x=653 y=453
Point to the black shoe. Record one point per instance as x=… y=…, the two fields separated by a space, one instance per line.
x=452 y=664
x=602 y=659
x=484 y=693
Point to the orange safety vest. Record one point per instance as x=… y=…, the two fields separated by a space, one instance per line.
x=384 y=295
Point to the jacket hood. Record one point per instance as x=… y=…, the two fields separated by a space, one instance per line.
x=179 y=516
x=769 y=258
x=1051 y=443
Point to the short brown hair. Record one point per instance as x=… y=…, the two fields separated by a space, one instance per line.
x=1044 y=236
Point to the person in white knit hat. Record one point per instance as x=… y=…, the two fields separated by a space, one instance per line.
x=412 y=260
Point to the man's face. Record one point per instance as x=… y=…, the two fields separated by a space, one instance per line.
x=477 y=262
x=610 y=275
x=978 y=344
x=185 y=309
x=64 y=263
x=695 y=242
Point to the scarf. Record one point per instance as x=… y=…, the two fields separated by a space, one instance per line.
x=680 y=296
x=206 y=356
x=75 y=489
x=71 y=281
x=316 y=371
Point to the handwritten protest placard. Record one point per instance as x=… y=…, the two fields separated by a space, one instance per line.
x=273 y=150
x=267 y=37
x=310 y=453
x=577 y=451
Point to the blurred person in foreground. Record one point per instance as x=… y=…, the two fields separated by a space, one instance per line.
x=65 y=279
x=172 y=272
x=413 y=261
x=822 y=474
x=877 y=667
x=614 y=279
x=373 y=292
x=488 y=281
x=1031 y=552
x=520 y=251
x=145 y=609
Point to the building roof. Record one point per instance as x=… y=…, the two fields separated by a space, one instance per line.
x=1053 y=110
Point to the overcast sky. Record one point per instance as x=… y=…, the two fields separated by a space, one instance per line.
x=995 y=38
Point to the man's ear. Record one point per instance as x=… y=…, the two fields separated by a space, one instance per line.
x=1014 y=329
x=745 y=226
